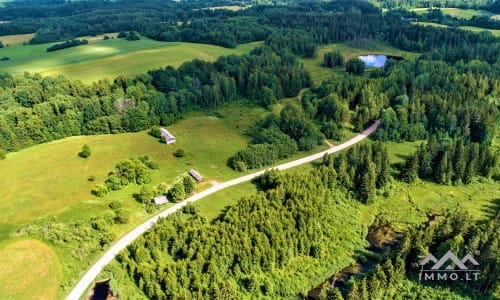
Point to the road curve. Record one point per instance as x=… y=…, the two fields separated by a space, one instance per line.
x=110 y=254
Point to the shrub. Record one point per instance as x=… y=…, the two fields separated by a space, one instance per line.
x=179 y=152
x=85 y=151
x=355 y=66
x=115 y=204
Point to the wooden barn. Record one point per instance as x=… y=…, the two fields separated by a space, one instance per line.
x=195 y=175
x=169 y=137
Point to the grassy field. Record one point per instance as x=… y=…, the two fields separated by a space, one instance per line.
x=208 y=141
x=495 y=32
x=109 y=58
x=16 y=39
x=320 y=73
x=30 y=190
x=456 y=12
x=29 y=269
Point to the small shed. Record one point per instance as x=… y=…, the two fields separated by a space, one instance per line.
x=195 y=175
x=169 y=137
x=160 y=200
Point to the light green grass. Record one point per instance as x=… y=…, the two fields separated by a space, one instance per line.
x=320 y=73
x=29 y=269
x=495 y=32
x=50 y=178
x=456 y=12
x=109 y=58
x=409 y=203
x=16 y=39
x=430 y=24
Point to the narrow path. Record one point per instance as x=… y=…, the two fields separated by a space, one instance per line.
x=329 y=144
x=110 y=254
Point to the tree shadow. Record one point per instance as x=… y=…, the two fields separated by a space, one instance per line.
x=492 y=209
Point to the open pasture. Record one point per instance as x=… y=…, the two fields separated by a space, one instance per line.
x=109 y=58
x=29 y=269
x=456 y=12
x=16 y=39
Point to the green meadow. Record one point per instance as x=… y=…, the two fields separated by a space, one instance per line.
x=51 y=180
x=109 y=58
x=456 y=12
x=320 y=73
x=495 y=32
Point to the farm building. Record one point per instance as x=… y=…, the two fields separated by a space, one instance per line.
x=160 y=200
x=169 y=137
x=195 y=175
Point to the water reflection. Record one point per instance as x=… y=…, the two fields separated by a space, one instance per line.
x=374 y=60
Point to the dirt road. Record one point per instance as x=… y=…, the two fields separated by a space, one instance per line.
x=110 y=254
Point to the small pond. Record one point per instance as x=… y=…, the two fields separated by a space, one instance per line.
x=377 y=60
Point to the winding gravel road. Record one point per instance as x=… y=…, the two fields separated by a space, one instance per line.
x=92 y=273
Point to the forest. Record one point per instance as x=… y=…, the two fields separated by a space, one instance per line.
x=37 y=109
x=251 y=247
x=298 y=228
x=397 y=273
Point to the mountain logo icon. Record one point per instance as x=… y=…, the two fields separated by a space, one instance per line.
x=450 y=261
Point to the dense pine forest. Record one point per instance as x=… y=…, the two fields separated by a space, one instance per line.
x=297 y=229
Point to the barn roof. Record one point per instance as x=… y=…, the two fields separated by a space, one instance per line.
x=195 y=174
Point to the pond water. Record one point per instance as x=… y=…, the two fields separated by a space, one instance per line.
x=374 y=60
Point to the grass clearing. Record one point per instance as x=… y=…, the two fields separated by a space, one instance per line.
x=16 y=39
x=29 y=269
x=495 y=32
x=408 y=203
x=29 y=186
x=320 y=73
x=109 y=58
x=456 y=12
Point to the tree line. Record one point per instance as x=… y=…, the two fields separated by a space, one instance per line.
x=301 y=25
x=35 y=109
x=278 y=138
x=67 y=44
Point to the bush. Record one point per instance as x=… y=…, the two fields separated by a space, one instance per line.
x=100 y=190
x=133 y=36
x=5 y=58
x=115 y=204
x=333 y=59
x=155 y=131
x=67 y=44
x=122 y=216
x=3 y=154
x=85 y=151
x=179 y=152
x=91 y=178
x=355 y=66
x=190 y=209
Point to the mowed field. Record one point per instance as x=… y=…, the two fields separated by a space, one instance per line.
x=320 y=73
x=29 y=269
x=456 y=12
x=109 y=58
x=495 y=32
x=11 y=40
